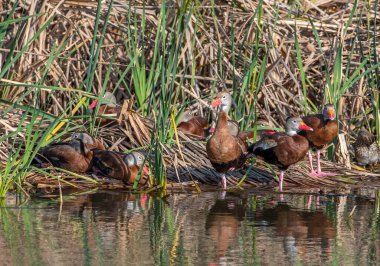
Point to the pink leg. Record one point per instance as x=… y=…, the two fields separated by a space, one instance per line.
x=309 y=200
x=312 y=172
x=224 y=181
x=319 y=171
x=281 y=179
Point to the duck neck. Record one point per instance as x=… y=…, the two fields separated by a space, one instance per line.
x=222 y=123
x=134 y=171
x=291 y=133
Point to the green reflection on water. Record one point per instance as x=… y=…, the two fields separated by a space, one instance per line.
x=208 y=229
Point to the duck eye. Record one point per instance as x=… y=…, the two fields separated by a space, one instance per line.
x=224 y=96
x=140 y=158
x=294 y=121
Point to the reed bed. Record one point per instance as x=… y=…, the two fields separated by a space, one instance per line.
x=277 y=59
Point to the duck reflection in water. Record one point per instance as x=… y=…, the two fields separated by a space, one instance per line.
x=297 y=228
x=223 y=222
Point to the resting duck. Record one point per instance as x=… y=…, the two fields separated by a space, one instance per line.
x=224 y=150
x=120 y=166
x=365 y=148
x=88 y=141
x=283 y=149
x=108 y=109
x=72 y=156
x=193 y=126
x=325 y=129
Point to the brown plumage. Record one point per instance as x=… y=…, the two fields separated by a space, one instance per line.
x=108 y=110
x=325 y=129
x=366 y=150
x=224 y=150
x=119 y=166
x=72 y=156
x=193 y=126
x=283 y=149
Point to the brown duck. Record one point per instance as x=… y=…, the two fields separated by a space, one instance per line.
x=225 y=151
x=108 y=109
x=325 y=129
x=193 y=126
x=283 y=149
x=72 y=156
x=120 y=166
x=365 y=148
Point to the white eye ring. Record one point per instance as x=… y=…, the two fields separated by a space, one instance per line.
x=140 y=158
x=224 y=96
x=294 y=121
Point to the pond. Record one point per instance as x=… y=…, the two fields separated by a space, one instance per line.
x=212 y=228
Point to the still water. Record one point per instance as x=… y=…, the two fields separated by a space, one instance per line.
x=211 y=228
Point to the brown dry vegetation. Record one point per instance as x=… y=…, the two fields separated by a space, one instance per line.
x=252 y=48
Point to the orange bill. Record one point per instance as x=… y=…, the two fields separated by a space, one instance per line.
x=216 y=102
x=93 y=104
x=145 y=170
x=331 y=114
x=303 y=126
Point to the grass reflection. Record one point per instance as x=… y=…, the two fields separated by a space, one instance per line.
x=208 y=229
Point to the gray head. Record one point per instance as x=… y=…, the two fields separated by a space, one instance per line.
x=186 y=116
x=79 y=146
x=329 y=112
x=224 y=100
x=134 y=159
x=84 y=137
x=294 y=125
x=108 y=99
x=365 y=136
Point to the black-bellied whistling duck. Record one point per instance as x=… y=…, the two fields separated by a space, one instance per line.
x=365 y=148
x=72 y=156
x=283 y=149
x=115 y=165
x=108 y=109
x=325 y=129
x=88 y=141
x=193 y=126
x=225 y=151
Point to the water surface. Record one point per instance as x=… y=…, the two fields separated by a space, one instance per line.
x=211 y=228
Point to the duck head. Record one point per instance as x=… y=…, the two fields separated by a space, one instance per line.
x=186 y=116
x=84 y=137
x=136 y=159
x=79 y=146
x=224 y=100
x=108 y=99
x=329 y=112
x=294 y=125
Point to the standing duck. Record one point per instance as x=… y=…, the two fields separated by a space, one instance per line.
x=225 y=151
x=325 y=129
x=120 y=166
x=365 y=148
x=283 y=149
x=193 y=126
x=108 y=109
x=72 y=156
x=88 y=141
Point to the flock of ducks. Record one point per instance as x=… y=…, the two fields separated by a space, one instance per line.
x=226 y=149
